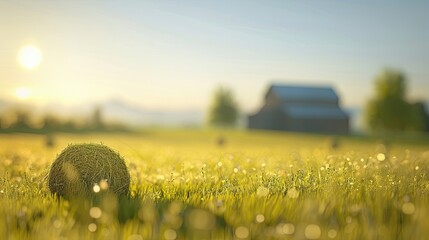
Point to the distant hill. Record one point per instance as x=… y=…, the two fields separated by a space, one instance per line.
x=113 y=110
x=131 y=114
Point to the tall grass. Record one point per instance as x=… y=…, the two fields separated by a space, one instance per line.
x=256 y=185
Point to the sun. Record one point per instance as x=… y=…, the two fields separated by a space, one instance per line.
x=23 y=93
x=29 y=56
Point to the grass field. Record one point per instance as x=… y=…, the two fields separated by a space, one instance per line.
x=257 y=185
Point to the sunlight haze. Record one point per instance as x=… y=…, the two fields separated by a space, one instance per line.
x=172 y=55
x=29 y=56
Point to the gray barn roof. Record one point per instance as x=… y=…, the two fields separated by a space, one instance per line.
x=303 y=93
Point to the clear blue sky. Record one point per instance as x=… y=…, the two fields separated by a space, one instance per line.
x=172 y=54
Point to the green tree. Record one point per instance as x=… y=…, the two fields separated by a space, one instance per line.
x=23 y=121
x=51 y=123
x=97 y=119
x=223 y=110
x=389 y=110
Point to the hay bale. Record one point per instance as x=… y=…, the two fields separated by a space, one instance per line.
x=82 y=170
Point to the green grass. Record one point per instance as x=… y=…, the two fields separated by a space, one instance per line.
x=258 y=185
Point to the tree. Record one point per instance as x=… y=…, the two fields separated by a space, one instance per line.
x=22 y=122
x=51 y=123
x=97 y=119
x=223 y=110
x=389 y=110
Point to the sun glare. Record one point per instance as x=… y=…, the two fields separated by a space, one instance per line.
x=29 y=56
x=23 y=93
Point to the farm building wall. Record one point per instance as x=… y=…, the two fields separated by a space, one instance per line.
x=270 y=119
x=301 y=113
x=337 y=126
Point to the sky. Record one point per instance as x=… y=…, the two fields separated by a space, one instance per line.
x=173 y=54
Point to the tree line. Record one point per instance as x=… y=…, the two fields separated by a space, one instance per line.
x=23 y=120
x=390 y=110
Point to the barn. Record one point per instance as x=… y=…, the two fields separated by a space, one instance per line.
x=301 y=109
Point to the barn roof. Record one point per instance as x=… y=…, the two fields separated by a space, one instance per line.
x=303 y=93
x=314 y=111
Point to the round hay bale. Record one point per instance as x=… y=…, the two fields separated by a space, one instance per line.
x=82 y=170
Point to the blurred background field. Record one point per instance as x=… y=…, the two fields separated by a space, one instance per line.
x=211 y=184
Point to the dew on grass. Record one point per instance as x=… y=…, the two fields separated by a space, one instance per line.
x=95 y=212
x=260 y=218
x=242 y=232
x=262 y=191
x=292 y=193
x=92 y=227
x=349 y=219
x=170 y=234
x=285 y=228
x=332 y=233
x=104 y=185
x=312 y=231
x=408 y=208
x=57 y=223
x=381 y=157
x=96 y=188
